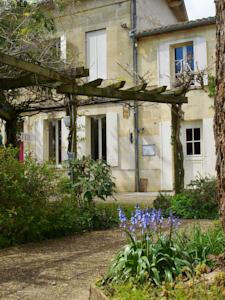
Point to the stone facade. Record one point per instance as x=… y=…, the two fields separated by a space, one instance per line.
x=114 y=19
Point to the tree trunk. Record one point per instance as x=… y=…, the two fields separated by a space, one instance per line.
x=219 y=119
x=178 y=157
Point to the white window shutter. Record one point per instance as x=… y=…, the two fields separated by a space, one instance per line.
x=39 y=140
x=208 y=145
x=81 y=136
x=63 y=48
x=65 y=142
x=164 y=65
x=112 y=144
x=96 y=54
x=101 y=54
x=166 y=157
x=200 y=55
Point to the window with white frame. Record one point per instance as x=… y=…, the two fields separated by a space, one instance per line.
x=184 y=58
x=55 y=141
x=98 y=138
x=193 y=140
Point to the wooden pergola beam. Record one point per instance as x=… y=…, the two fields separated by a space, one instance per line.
x=138 y=88
x=118 y=95
x=33 y=68
x=94 y=83
x=24 y=81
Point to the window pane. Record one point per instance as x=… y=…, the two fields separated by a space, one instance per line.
x=94 y=139
x=190 y=56
x=104 y=152
x=197 y=147
x=178 y=59
x=189 y=134
x=197 y=134
x=178 y=53
x=189 y=149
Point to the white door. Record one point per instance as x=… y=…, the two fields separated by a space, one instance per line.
x=96 y=54
x=192 y=134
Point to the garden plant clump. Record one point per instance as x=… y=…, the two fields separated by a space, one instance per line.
x=159 y=256
x=26 y=212
x=198 y=201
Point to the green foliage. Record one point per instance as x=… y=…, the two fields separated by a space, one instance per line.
x=212 y=85
x=23 y=185
x=163 y=202
x=177 y=291
x=24 y=23
x=166 y=259
x=198 y=201
x=91 y=179
x=200 y=244
x=25 y=189
x=143 y=261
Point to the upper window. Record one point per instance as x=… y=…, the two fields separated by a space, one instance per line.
x=193 y=141
x=184 y=58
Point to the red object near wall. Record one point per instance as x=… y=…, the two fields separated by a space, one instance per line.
x=21 y=153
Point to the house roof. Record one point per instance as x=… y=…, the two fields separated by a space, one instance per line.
x=177 y=26
x=179 y=9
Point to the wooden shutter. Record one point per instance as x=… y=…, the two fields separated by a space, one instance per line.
x=96 y=54
x=112 y=144
x=65 y=134
x=200 y=55
x=39 y=140
x=164 y=65
x=63 y=48
x=209 y=150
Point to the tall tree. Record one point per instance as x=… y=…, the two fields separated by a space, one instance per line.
x=219 y=119
x=26 y=30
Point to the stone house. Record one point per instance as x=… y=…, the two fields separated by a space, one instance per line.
x=118 y=40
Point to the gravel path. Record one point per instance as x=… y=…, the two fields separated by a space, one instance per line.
x=61 y=268
x=57 y=269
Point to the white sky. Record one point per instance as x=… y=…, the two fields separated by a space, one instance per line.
x=197 y=9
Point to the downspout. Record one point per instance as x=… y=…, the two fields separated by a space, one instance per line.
x=136 y=112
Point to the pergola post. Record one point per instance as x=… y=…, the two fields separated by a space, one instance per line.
x=178 y=157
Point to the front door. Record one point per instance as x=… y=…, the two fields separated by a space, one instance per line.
x=193 y=150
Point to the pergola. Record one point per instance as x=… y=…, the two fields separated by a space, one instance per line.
x=66 y=83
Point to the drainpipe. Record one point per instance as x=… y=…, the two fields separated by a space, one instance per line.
x=136 y=112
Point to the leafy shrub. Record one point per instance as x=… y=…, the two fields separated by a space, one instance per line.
x=26 y=214
x=163 y=202
x=25 y=189
x=23 y=184
x=91 y=179
x=198 y=201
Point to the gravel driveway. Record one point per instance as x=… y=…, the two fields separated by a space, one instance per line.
x=57 y=269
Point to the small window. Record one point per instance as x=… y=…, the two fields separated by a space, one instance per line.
x=193 y=141
x=184 y=58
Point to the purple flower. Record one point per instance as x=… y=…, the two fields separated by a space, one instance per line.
x=122 y=217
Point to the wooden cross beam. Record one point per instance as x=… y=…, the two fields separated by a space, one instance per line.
x=40 y=70
x=24 y=81
x=118 y=95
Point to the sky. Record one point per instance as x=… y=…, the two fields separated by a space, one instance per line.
x=197 y=9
